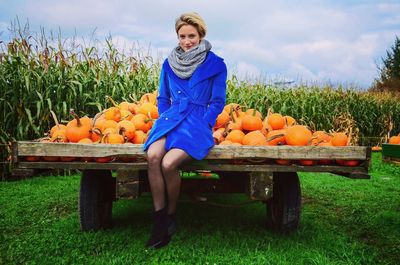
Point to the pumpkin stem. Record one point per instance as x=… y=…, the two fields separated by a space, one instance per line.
x=149 y=118
x=231 y=114
x=112 y=101
x=78 y=121
x=287 y=122
x=134 y=99
x=275 y=137
x=55 y=118
x=254 y=112
x=104 y=138
x=98 y=115
x=269 y=111
x=122 y=131
x=124 y=117
x=99 y=133
x=312 y=138
x=237 y=111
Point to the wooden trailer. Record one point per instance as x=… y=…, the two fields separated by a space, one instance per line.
x=252 y=170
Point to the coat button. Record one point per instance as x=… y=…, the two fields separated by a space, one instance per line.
x=179 y=92
x=166 y=119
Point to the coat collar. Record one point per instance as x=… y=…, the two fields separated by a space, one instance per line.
x=211 y=66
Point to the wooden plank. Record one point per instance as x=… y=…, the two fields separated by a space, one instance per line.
x=208 y=166
x=83 y=165
x=392 y=160
x=217 y=152
x=23 y=172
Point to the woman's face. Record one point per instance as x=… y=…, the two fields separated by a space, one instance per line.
x=188 y=37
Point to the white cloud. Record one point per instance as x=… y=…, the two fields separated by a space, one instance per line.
x=244 y=70
x=314 y=39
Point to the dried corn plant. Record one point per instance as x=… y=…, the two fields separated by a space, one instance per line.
x=344 y=122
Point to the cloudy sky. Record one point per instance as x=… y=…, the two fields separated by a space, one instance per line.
x=310 y=41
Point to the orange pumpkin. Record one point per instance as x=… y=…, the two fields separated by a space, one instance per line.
x=140 y=137
x=231 y=107
x=126 y=114
x=320 y=136
x=284 y=162
x=339 y=139
x=142 y=122
x=59 y=136
x=298 y=135
x=219 y=135
x=394 y=139
x=276 y=121
x=148 y=98
x=131 y=107
x=235 y=123
x=32 y=158
x=149 y=110
x=251 y=122
x=127 y=128
x=109 y=124
x=222 y=119
x=348 y=163
x=226 y=142
x=254 y=138
x=78 y=128
x=276 y=137
x=290 y=121
x=56 y=127
x=113 y=113
x=85 y=141
x=307 y=162
x=254 y=112
x=235 y=136
x=113 y=138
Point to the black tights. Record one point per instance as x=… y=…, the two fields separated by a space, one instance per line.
x=163 y=174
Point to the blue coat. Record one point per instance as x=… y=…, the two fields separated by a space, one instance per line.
x=188 y=108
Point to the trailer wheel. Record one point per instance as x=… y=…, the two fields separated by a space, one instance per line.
x=95 y=200
x=283 y=209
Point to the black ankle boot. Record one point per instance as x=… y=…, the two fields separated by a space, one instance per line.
x=159 y=236
x=172 y=224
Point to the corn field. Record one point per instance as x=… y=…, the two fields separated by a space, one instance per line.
x=39 y=74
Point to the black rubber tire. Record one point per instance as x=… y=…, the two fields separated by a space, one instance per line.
x=284 y=208
x=95 y=200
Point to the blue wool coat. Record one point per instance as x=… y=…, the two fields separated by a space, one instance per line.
x=188 y=108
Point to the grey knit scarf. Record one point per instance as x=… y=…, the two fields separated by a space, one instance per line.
x=185 y=63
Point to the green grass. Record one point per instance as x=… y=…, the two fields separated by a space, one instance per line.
x=343 y=221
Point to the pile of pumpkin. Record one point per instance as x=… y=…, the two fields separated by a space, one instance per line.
x=394 y=139
x=130 y=123
x=237 y=127
x=122 y=123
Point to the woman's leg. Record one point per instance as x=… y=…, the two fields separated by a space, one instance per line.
x=155 y=155
x=169 y=165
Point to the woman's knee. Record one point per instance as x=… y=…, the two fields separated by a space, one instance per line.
x=154 y=157
x=168 y=165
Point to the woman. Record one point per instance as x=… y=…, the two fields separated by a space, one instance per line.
x=191 y=96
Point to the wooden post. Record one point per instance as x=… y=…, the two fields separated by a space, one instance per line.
x=260 y=186
x=127 y=184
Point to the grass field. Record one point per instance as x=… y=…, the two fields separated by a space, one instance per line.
x=344 y=221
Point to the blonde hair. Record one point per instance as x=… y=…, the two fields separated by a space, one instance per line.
x=192 y=19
